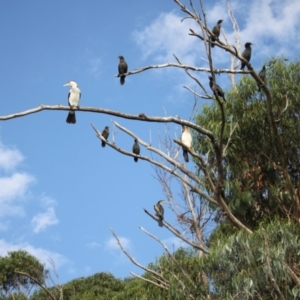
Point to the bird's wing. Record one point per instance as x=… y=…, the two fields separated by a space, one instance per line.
x=186 y=139
x=69 y=95
x=220 y=89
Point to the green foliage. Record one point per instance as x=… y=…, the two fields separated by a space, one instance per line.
x=99 y=286
x=261 y=265
x=254 y=186
x=182 y=272
x=245 y=266
x=137 y=289
x=10 y=281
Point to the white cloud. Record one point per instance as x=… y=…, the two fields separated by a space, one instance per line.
x=95 y=66
x=271 y=18
x=9 y=158
x=118 y=257
x=112 y=244
x=272 y=25
x=42 y=220
x=165 y=36
x=44 y=256
x=47 y=201
x=4 y=226
x=14 y=186
x=174 y=243
x=8 y=209
x=93 y=245
x=93 y=62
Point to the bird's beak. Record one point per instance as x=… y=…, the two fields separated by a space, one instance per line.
x=66 y=84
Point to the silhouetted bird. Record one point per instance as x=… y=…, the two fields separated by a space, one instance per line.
x=246 y=54
x=159 y=211
x=73 y=99
x=105 y=134
x=136 y=149
x=122 y=69
x=186 y=139
x=215 y=88
x=262 y=76
x=216 y=31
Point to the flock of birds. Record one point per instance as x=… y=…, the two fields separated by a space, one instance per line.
x=217 y=90
x=186 y=137
x=74 y=98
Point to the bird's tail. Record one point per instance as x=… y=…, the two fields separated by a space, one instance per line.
x=135 y=159
x=103 y=144
x=160 y=224
x=185 y=155
x=71 y=119
x=122 y=80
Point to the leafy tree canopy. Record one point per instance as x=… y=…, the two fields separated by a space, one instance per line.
x=20 y=261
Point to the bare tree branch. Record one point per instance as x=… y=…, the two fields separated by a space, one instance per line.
x=157 y=276
x=37 y=282
x=140 y=117
x=161 y=165
x=171 y=256
x=150 y=281
x=193 y=68
x=177 y=233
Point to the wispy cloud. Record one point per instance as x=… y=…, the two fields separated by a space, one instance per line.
x=112 y=244
x=44 y=256
x=93 y=245
x=42 y=220
x=93 y=62
x=118 y=257
x=271 y=25
x=11 y=189
x=164 y=36
x=9 y=158
x=271 y=19
x=174 y=243
x=47 y=201
x=94 y=67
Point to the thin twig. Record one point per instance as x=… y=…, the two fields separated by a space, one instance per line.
x=177 y=233
x=158 y=277
x=37 y=282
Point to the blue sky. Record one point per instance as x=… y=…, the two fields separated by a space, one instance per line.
x=60 y=191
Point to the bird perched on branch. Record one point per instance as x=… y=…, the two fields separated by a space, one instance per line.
x=73 y=99
x=246 y=54
x=159 y=212
x=105 y=134
x=186 y=139
x=216 y=31
x=122 y=69
x=136 y=149
x=216 y=88
x=262 y=76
